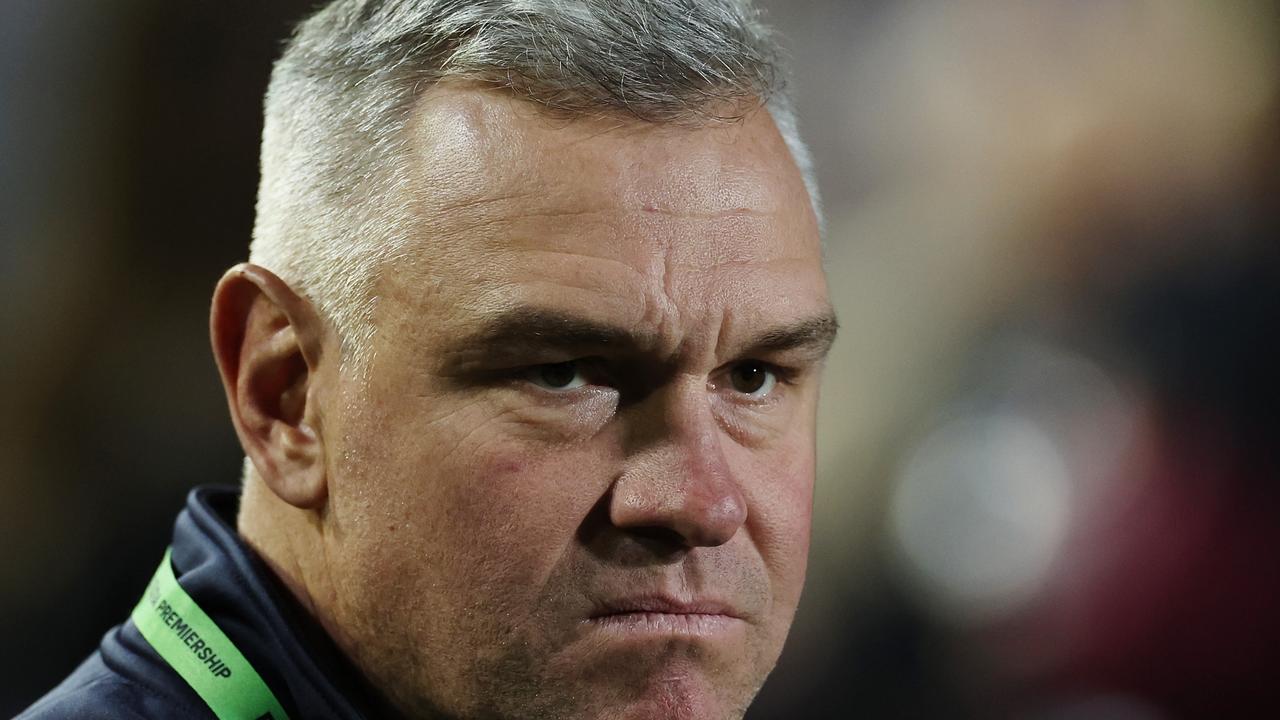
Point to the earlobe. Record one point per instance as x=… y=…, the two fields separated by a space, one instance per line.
x=268 y=344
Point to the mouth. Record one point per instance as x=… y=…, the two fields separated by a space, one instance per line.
x=658 y=615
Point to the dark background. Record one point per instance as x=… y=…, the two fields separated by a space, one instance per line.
x=1048 y=452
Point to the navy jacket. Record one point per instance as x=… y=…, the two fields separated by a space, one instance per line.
x=125 y=678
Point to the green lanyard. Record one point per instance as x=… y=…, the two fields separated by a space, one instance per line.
x=200 y=652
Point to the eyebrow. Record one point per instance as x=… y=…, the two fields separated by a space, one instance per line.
x=814 y=336
x=521 y=330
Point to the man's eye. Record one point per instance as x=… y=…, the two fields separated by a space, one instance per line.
x=557 y=376
x=753 y=378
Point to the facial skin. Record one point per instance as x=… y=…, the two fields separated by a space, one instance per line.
x=575 y=480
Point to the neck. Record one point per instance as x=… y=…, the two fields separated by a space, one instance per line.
x=279 y=533
x=291 y=542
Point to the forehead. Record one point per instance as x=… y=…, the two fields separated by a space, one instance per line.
x=616 y=216
x=474 y=127
x=473 y=146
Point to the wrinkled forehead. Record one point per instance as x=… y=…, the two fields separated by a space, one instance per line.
x=485 y=156
x=688 y=236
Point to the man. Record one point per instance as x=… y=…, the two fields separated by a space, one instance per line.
x=525 y=366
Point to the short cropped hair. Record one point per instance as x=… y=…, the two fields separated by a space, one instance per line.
x=331 y=207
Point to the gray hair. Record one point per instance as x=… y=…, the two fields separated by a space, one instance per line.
x=330 y=210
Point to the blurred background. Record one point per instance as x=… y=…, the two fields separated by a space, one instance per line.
x=1049 y=458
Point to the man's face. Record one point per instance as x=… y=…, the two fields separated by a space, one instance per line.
x=577 y=480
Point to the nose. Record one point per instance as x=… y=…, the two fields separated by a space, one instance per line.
x=679 y=485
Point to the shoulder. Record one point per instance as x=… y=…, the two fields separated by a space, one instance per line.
x=96 y=691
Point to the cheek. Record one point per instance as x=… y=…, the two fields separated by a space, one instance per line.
x=463 y=550
x=506 y=497
x=492 y=519
x=780 y=490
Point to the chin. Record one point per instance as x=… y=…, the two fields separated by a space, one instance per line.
x=675 y=699
x=678 y=691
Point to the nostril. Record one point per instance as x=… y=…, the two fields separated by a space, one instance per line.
x=680 y=493
x=660 y=540
x=711 y=511
x=684 y=514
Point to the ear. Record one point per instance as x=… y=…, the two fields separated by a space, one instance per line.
x=267 y=341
